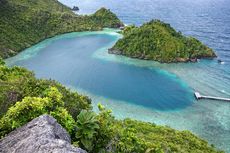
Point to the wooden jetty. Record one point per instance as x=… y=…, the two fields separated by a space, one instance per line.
x=199 y=96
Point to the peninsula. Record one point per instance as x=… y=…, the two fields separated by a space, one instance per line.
x=25 y=23
x=158 y=41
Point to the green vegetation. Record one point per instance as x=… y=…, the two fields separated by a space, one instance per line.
x=1 y=61
x=23 y=98
x=137 y=136
x=106 y=18
x=32 y=107
x=158 y=41
x=25 y=22
x=17 y=83
x=87 y=125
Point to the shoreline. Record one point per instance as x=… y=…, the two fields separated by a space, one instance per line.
x=178 y=60
x=56 y=35
x=165 y=118
x=59 y=36
x=43 y=39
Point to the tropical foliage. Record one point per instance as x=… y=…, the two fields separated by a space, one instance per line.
x=106 y=134
x=87 y=125
x=32 y=107
x=105 y=18
x=136 y=136
x=158 y=41
x=17 y=83
x=25 y=22
x=1 y=61
x=23 y=98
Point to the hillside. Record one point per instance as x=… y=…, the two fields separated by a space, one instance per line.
x=25 y=22
x=23 y=98
x=105 y=18
x=158 y=41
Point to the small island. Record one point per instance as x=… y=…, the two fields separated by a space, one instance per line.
x=158 y=41
x=75 y=8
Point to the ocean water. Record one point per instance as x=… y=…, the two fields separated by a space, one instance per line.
x=145 y=90
x=71 y=60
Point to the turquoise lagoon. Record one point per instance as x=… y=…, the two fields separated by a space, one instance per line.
x=143 y=90
x=78 y=60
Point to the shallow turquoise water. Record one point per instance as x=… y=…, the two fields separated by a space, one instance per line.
x=208 y=20
x=143 y=90
x=71 y=60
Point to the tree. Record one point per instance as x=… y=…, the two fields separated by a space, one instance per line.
x=107 y=131
x=87 y=125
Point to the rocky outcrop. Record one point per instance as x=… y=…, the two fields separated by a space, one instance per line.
x=41 y=135
x=114 y=51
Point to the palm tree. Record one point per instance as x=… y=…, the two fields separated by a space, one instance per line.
x=87 y=124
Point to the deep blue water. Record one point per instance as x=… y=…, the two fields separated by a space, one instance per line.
x=147 y=90
x=70 y=61
x=207 y=20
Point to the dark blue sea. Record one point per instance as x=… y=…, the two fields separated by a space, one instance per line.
x=145 y=90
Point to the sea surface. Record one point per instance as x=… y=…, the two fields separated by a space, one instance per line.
x=145 y=90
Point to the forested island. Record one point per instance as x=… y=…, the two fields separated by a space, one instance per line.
x=158 y=41
x=23 y=97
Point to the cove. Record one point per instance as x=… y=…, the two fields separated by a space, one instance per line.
x=69 y=59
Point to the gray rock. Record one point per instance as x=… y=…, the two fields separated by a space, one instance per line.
x=114 y=51
x=41 y=135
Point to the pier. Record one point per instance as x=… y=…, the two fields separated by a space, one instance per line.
x=199 y=96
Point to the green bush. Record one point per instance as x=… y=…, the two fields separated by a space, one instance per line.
x=137 y=136
x=95 y=132
x=103 y=133
x=17 y=83
x=1 y=61
x=32 y=107
x=87 y=125
x=64 y=118
x=129 y=142
x=107 y=131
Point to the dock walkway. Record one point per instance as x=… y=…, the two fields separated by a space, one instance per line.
x=199 y=96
